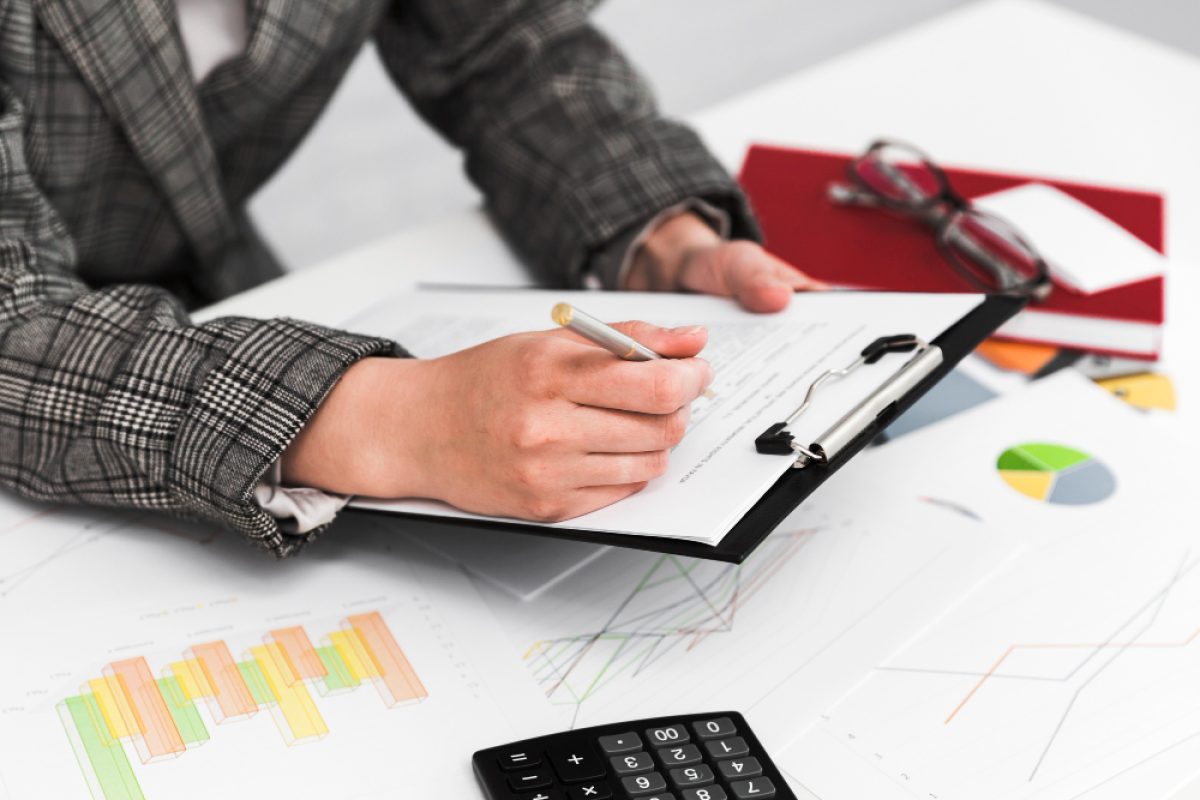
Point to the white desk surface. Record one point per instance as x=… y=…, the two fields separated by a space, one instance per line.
x=1005 y=84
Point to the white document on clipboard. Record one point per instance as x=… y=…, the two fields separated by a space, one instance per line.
x=763 y=364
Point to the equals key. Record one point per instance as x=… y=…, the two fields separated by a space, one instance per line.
x=521 y=760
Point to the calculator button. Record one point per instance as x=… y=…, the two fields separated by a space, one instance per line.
x=739 y=768
x=590 y=791
x=522 y=759
x=548 y=794
x=727 y=748
x=681 y=756
x=720 y=728
x=524 y=781
x=749 y=790
x=620 y=743
x=632 y=764
x=670 y=734
x=705 y=793
x=575 y=763
x=642 y=785
x=699 y=775
x=659 y=796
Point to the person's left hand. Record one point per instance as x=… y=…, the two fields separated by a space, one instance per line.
x=685 y=254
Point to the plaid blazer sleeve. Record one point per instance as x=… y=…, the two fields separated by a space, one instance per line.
x=560 y=132
x=111 y=397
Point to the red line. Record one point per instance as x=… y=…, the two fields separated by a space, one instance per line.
x=1054 y=646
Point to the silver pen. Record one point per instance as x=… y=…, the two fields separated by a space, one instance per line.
x=608 y=337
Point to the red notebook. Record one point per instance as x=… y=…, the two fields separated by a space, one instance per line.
x=871 y=249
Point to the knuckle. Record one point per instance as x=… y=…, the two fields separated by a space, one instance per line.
x=674 y=426
x=658 y=463
x=534 y=364
x=667 y=393
x=529 y=432
x=531 y=475
x=546 y=509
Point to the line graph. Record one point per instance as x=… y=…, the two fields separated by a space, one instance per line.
x=821 y=601
x=676 y=605
x=1041 y=685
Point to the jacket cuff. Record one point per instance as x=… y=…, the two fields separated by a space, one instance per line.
x=246 y=413
x=666 y=166
x=610 y=265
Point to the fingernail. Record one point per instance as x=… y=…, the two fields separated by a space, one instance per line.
x=688 y=330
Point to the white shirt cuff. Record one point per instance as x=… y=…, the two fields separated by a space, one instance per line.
x=298 y=509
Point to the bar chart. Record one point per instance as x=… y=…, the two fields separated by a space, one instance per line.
x=128 y=713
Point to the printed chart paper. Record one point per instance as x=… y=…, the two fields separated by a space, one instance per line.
x=1075 y=673
x=189 y=666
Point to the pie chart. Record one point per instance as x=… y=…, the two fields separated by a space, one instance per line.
x=1054 y=473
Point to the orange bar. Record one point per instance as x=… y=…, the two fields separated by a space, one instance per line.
x=299 y=654
x=399 y=682
x=231 y=696
x=1020 y=357
x=159 y=737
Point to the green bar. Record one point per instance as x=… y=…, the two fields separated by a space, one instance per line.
x=337 y=674
x=183 y=711
x=110 y=765
x=252 y=674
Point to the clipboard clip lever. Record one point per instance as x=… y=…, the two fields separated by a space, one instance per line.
x=778 y=439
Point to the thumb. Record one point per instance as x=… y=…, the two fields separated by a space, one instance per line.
x=683 y=342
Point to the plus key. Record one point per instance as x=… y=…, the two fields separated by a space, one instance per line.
x=577 y=762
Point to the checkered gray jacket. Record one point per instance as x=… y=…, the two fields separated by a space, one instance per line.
x=122 y=194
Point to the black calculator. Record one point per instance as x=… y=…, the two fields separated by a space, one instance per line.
x=698 y=757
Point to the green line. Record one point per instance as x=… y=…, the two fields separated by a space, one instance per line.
x=713 y=606
x=92 y=742
x=337 y=674
x=605 y=673
x=183 y=711
x=252 y=674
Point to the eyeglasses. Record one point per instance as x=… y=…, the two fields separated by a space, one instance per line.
x=982 y=247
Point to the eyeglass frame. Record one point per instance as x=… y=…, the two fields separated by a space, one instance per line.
x=940 y=211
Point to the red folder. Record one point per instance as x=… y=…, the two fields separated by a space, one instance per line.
x=869 y=248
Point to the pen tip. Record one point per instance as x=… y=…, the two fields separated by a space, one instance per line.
x=561 y=313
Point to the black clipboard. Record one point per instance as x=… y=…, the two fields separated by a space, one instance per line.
x=794 y=486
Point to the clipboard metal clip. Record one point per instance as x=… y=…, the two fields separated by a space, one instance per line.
x=778 y=439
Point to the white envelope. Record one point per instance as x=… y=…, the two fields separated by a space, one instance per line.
x=1084 y=249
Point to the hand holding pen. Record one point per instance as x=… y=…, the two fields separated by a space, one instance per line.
x=543 y=425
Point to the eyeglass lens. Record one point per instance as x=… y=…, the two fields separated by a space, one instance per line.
x=989 y=252
x=900 y=174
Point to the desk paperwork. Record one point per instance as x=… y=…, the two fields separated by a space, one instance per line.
x=148 y=659
x=763 y=366
x=1073 y=673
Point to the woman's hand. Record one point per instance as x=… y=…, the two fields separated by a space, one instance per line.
x=541 y=426
x=685 y=254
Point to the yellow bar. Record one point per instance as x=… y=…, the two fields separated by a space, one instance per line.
x=295 y=705
x=358 y=659
x=119 y=716
x=192 y=679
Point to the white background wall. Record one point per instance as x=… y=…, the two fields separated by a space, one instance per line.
x=370 y=167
